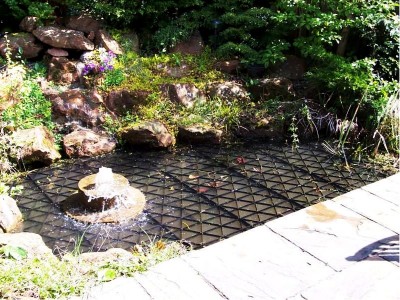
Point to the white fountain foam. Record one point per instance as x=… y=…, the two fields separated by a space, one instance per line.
x=106 y=187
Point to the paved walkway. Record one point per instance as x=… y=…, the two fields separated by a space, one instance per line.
x=345 y=248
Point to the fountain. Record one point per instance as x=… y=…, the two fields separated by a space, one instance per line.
x=104 y=197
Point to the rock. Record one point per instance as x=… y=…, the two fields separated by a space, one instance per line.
x=131 y=39
x=63 y=38
x=87 y=143
x=292 y=68
x=63 y=71
x=151 y=134
x=34 y=145
x=120 y=102
x=185 y=94
x=57 y=52
x=113 y=255
x=82 y=23
x=269 y=88
x=10 y=214
x=31 y=242
x=29 y=24
x=200 y=134
x=79 y=107
x=193 y=46
x=263 y=128
x=228 y=91
x=178 y=72
x=21 y=41
x=228 y=66
x=104 y=39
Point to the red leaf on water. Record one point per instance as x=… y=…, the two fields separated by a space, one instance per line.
x=240 y=160
x=202 y=189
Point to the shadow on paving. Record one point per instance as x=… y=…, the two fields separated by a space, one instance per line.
x=200 y=195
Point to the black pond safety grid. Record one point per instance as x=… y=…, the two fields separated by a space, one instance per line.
x=197 y=195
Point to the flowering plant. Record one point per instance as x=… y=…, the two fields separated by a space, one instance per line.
x=98 y=61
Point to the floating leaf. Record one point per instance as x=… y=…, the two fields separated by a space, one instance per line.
x=240 y=160
x=14 y=252
x=214 y=184
x=106 y=274
x=202 y=189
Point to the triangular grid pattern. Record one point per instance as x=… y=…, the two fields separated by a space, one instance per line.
x=197 y=195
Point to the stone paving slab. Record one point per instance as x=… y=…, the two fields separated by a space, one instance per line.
x=175 y=279
x=332 y=250
x=122 y=288
x=388 y=189
x=365 y=280
x=331 y=232
x=257 y=264
x=372 y=207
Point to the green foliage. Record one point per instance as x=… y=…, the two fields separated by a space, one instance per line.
x=21 y=8
x=48 y=277
x=113 y=78
x=32 y=110
x=13 y=252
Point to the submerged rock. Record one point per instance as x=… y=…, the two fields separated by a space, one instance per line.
x=34 y=145
x=152 y=134
x=10 y=215
x=87 y=143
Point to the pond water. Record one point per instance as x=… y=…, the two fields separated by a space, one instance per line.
x=198 y=195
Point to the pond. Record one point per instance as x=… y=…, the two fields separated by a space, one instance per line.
x=198 y=195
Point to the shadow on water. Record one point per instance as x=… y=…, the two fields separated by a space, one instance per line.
x=198 y=195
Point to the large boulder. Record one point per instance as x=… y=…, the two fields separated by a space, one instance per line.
x=78 y=106
x=30 y=242
x=63 y=38
x=227 y=91
x=63 y=71
x=192 y=46
x=270 y=88
x=82 y=23
x=185 y=94
x=119 y=102
x=22 y=42
x=87 y=143
x=29 y=24
x=200 y=134
x=10 y=214
x=104 y=39
x=151 y=134
x=34 y=145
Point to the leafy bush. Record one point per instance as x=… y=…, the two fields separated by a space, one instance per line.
x=21 y=8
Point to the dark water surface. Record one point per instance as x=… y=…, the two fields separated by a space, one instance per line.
x=199 y=195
